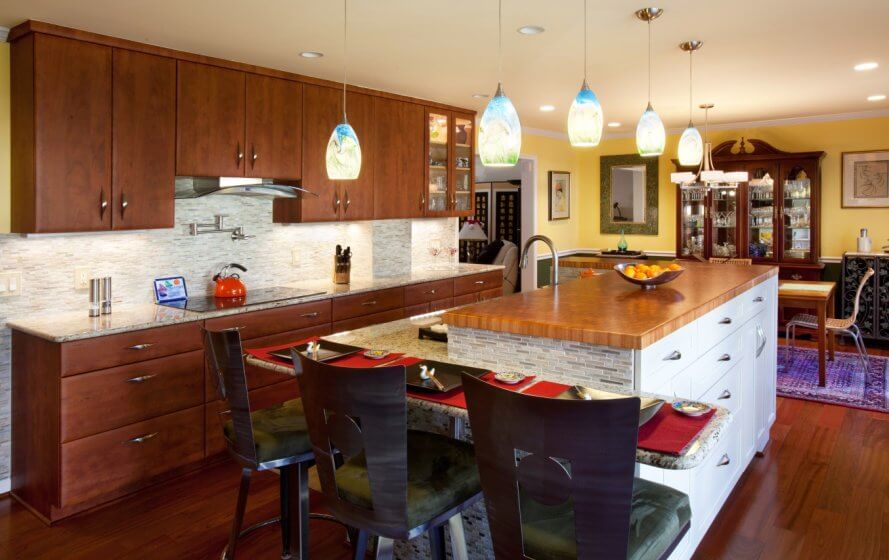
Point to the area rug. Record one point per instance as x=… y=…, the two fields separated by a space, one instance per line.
x=847 y=382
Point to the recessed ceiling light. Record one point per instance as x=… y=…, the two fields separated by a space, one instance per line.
x=480 y=95
x=530 y=30
x=311 y=54
x=878 y=97
x=865 y=66
x=614 y=124
x=547 y=108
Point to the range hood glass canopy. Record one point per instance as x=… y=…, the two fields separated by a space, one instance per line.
x=195 y=187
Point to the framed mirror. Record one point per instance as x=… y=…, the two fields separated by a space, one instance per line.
x=629 y=194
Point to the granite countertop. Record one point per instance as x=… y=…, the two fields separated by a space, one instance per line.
x=401 y=336
x=65 y=327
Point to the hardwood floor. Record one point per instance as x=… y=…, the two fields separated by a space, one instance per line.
x=820 y=491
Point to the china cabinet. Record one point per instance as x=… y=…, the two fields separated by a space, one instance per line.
x=450 y=183
x=772 y=218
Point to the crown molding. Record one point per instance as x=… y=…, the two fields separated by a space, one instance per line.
x=4 y=33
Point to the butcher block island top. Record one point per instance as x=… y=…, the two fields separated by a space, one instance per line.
x=609 y=311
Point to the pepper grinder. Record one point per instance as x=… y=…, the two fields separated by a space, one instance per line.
x=95 y=297
x=106 y=295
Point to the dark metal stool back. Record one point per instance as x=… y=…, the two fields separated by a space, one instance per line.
x=551 y=451
x=355 y=411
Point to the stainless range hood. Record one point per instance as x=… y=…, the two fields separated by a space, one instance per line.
x=195 y=187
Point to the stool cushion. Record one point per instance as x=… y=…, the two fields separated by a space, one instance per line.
x=279 y=431
x=441 y=474
x=658 y=517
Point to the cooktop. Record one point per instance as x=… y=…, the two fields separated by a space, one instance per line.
x=253 y=297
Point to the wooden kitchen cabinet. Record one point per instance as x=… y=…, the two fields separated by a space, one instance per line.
x=61 y=135
x=336 y=200
x=210 y=124
x=398 y=169
x=144 y=141
x=450 y=182
x=274 y=128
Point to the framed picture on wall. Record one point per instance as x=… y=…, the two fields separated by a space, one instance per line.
x=559 y=195
x=866 y=179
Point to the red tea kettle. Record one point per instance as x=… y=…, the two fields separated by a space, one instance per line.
x=229 y=285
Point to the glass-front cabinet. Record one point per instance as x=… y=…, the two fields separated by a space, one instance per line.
x=761 y=216
x=692 y=222
x=797 y=238
x=724 y=222
x=450 y=183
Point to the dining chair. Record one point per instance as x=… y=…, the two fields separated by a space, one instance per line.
x=718 y=260
x=264 y=439
x=845 y=326
x=558 y=479
x=392 y=483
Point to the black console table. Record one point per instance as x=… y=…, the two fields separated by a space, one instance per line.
x=873 y=312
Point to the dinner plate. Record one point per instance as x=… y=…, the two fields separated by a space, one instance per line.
x=510 y=377
x=691 y=408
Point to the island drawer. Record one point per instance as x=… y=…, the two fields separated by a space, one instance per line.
x=368 y=320
x=668 y=356
x=711 y=481
x=267 y=322
x=368 y=303
x=726 y=392
x=113 y=350
x=758 y=298
x=478 y=282
x=714 y=364
x=128 y=458
x=107 y=399
x=428 y=291
x=719 y=323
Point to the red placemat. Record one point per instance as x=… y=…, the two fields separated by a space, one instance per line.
x=457 y=397
x=546 y=389
x=358 y=360
x=671 y=432
x=264 y=353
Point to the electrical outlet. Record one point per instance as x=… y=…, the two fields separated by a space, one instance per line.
x=10 y=284
x=81 y=278
x=294 y=255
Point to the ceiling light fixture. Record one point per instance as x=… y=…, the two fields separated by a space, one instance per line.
x=311 y=54
x=530 y=30
x=650 y=133
x=480 y=95
x=707 y=176
x=585 y=116
x=865 y=66
x=343 y=157
x=878 y=97
x=691 y=145
x=499 y=130
x=613 y=124
x=547 y=108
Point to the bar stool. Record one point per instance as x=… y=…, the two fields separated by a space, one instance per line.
x=557 y=476
x=393 y=483
x=269 y=438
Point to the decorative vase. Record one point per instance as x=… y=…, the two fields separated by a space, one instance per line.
x=622 y=242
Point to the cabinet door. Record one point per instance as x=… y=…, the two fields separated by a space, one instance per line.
x=398 y=171
x=72 y=137
x=438 y=155
x=274 y=128
x=798 y=240
x=210 y=121
x=463 y=197
x=358 y=195
x=144 y=143
x=762 y=215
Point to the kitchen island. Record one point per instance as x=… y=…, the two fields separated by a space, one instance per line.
x=709 y=335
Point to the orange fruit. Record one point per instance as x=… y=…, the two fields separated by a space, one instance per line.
x=674 y=266
x=630 y=271
x=641 y=276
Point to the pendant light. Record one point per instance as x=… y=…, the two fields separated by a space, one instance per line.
x=343 y=155
x=650 y=134
x=499 y=130
x=585 y=117
x=691 y=145
x=708 y=176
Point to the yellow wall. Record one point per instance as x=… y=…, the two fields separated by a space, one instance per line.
x=4 y=138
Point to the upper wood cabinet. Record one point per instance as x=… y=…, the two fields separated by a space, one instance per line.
x=336 y=200
x=144 y=141
x=61 y=135
x=210 y=122
x=398 y=168
x=274 y=127
x=450 y=180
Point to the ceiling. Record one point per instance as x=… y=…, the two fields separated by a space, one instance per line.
x=762 y=59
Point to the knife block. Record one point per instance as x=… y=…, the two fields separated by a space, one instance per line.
x=342 y=269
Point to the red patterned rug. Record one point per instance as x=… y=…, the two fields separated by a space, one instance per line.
x=847 y=382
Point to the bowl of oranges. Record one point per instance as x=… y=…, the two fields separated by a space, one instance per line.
x=648 y=276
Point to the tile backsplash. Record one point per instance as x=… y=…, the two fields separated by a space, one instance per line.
x=277 y=254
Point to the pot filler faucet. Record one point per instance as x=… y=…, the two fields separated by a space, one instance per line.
x=554 y=270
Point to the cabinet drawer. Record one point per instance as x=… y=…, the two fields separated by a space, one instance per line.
x=366 y=304
x=719 y=323
x=129 y=457
x=478 y=282
x=126 y=348
x=267 y=322
x=714 y=364
x=726 y=392
x=108 y=399
x=418 y=309
x=367 y=320
x=428 y=291
x=758 y=298
x=711 y=481
x=493 y=293
x=667 y=356
x=465 y=299
x=440 y=304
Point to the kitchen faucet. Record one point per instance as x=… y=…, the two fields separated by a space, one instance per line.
x=554 y=270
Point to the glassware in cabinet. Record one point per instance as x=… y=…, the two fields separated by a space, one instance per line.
x=437 y=199
x=724 y=221
x=693 y=226
x=463 y=179
x=761 y=217
x=797 y=242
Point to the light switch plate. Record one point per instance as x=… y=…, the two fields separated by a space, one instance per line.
x=81 y=278
x=10 y=284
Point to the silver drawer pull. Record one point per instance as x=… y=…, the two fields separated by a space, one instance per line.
x=141 y=378
x=431 y=292
x=479 y=281
x=796 y=276
x=724 y=460
x=759 y=299
x=144 y=346
x=725 y=358
x=674 y=355
x=141 y=439
x=371 y=302
x=726 y=321
x=725 y=395
x=311 y=315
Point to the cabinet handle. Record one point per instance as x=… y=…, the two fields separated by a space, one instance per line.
x=479 y=281
x=369 y=303
x=796 y=276
x=103 y=204
x=240 y=154
x=141 y=378
x=759 y=299
x=123 y=203
x=311 y=315
x=143 y=346
x=348 y=201
x=336 y=202
x=726 y=321
x=725 y=395
x=674 y=355
x=422 y=201
x=724 y=460
x=431 y=292
x=142 y=438
x=725 y=358
x=762 y=335
x=254 y=155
